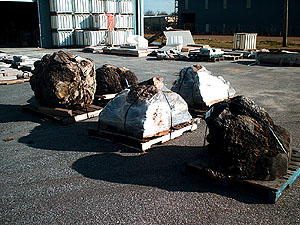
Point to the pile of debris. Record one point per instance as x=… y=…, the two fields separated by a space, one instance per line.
x=111 y=79
x=64 y=80
x=278 y=57
x=181 y=46
x=133 y=45
x=200 y=88
x=8 y=73
x=244 y=142
x=206 y=54
x=23 y=62
x=145 y=110
x=15 y=69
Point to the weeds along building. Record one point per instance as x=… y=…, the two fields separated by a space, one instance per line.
x=64 y=23
x=265 y=17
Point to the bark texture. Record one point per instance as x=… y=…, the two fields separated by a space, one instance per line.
x=245 y=138
x=112 y=79
x=64 y=80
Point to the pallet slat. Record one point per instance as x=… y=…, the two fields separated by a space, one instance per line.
x=232 y=57
x=55 y=111
x=16 y=81
x=129 y=52
x=274 y=188
x=138 y=143
x=64 y=116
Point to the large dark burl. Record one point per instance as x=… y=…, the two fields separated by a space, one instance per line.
x=245 y=142
x=64 y=80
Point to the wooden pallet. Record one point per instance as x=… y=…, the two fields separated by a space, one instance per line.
x=128 y=52
x=271 y=190
x=196 y=57
x=232 y=57
x=15 y=81
x=102 y=100
x=141 y=144
x=93 y=49
x=189 y=48
x=64 y=116
x=198 y=112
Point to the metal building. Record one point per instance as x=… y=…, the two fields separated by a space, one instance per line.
x=265 y=17
x=60 y=23
x=155 y=23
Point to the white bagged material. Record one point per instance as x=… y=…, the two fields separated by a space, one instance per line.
x=61 y=22
x=79 y=37
x=62 y=38
x=60 y=6
x=81 y=6
x=138 y=41
x=198 y=86
x=93 y=38
x=174 y=41
x=118 y=37
x=97 y=6
x=99 y=21
x=145 y=117
x=126 y=7
x=81 y=21
x=185 y=34
x=111 y=6
x=123 y=21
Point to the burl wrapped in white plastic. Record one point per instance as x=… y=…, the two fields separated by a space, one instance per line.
x=145 y=110
x=199 y=87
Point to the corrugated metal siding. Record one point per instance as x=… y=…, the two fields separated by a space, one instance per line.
x=236 y=17
x=61 y=22
x=81 y=21
x=62 y=38
x=99 y=21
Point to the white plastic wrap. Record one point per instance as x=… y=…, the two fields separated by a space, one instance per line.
x=145 y=118
x=97 y=6
x=138 y=41
x=198 y=86
x=99 y=21
x=81 y=21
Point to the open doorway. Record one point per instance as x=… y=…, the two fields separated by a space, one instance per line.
x=19 y=24
x=188 y=21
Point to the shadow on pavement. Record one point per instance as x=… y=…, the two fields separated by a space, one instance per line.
x=72 y=137
x=13 y=113
x=253 y=63
x=245 y=62
x=50 y=135
x=161 y=167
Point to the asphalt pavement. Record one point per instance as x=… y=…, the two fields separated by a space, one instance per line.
x=54 y=174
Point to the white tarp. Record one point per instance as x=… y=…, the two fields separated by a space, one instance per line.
x=144 y=117
x=187 y=38
x=197 y=86
x=138 y=41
